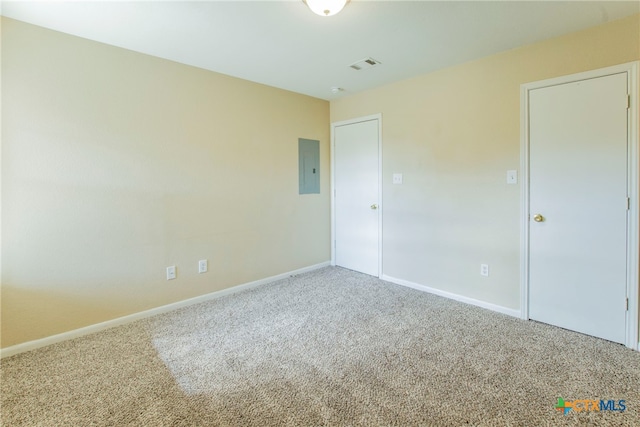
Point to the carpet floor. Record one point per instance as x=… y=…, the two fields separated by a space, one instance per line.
x=327 y=348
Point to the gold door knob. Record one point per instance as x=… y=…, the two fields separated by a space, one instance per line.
x=538 y=218
x=374 y=206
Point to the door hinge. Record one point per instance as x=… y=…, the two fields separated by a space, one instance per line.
x=628 y=101
x=626 y=305
x=628 y=203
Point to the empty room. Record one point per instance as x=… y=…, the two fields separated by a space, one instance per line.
x=319 y=213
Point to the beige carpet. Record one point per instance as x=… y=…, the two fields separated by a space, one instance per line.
x=332 y=348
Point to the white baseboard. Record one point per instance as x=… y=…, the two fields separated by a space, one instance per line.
x=461 y=298
x=76 y=333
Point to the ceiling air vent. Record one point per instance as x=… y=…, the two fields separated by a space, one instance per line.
x=364 y=64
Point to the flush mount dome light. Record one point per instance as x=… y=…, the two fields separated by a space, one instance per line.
x=326 y=7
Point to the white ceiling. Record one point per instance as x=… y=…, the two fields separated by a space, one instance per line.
x=283 y=44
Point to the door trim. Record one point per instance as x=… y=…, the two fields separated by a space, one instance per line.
x=334 y=125
x=633 y=288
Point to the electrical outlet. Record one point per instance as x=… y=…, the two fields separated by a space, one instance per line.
x=171 y=272
x=203 y=266
x=484 y=270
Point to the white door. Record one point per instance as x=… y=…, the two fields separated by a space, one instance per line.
x=356 y=204
x=578 y=205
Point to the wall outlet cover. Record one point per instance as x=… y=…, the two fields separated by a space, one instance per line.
x=203 y=266
x=484 y=270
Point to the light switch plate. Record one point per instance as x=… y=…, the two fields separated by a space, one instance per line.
x=512 y=177
x=397 y=178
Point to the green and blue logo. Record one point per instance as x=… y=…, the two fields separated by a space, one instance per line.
x=590 y=405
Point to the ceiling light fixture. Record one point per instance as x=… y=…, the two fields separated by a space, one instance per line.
x=326 y=7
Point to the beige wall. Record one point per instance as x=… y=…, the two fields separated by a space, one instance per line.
x=454 y=134
x=116 y=165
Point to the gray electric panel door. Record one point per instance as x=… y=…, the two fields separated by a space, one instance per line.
x=309 y=166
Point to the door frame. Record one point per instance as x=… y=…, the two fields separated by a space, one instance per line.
x=632 y=286
x=334 y=125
